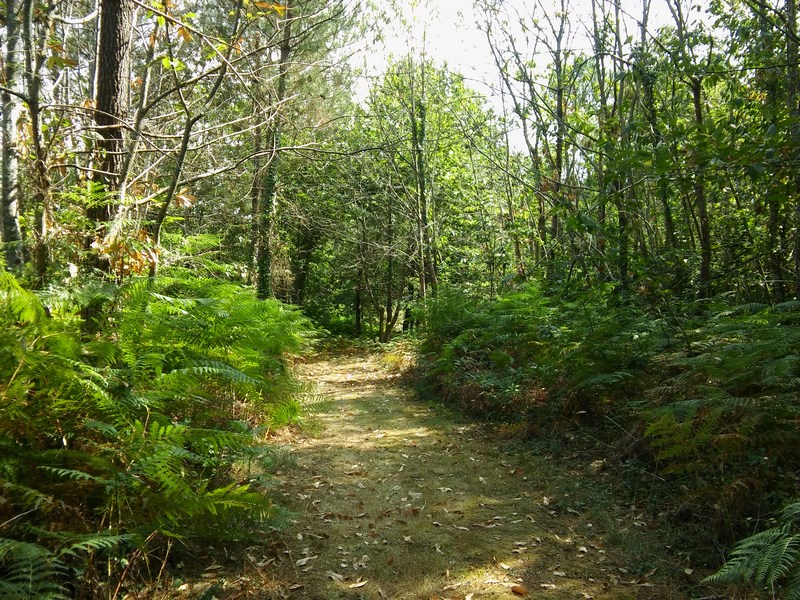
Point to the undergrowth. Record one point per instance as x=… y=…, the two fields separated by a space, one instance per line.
x=118 y=439
x=707 y=394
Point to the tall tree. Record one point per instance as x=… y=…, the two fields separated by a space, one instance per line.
x=111 y=83
x=9 y=202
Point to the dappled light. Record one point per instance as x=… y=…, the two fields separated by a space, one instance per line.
x=399 y=499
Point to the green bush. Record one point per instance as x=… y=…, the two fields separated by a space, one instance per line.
x=131 y=434
x=709 y=393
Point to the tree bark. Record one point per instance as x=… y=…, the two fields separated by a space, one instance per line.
x=269 y=189
x=111 y=106
x=9 y=202
x=111 y=94
x=704 y=281
x=792 y=98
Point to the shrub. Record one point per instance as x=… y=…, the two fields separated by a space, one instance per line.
x=130 y=435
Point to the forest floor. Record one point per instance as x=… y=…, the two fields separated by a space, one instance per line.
x=394 y=498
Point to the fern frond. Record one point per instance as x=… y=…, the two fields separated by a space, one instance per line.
x=30 y=571
x=767 y=558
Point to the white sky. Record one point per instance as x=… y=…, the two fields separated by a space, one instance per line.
x=449 y=32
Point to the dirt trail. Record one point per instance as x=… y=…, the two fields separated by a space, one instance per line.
x=396 y=499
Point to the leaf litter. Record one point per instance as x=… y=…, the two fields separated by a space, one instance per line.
x=394 y=499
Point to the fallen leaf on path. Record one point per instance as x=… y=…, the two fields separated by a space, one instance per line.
x=520 y=590
x=359 y=584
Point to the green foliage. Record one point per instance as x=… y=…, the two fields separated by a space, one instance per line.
x=136 y=430
x=770 y=558
x=30 y=571
x=709 y=392
x=584 y=352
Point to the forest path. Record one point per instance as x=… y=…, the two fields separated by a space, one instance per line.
x=397 y=499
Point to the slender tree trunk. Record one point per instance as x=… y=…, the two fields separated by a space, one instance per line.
x=9 y=202
x=269 y=189
x=793 y=104
x=358 y=303
x=704 y=221
x=427 y=250
x=34 y=60
x=648 y=84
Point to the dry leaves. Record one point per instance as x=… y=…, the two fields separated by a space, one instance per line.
x=519 y=590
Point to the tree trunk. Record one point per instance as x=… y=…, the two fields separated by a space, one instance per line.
x=269 y=189
x=111 y=106
x=704 y=281
x=9 y=202
x=34 y=60
x=792 y=98
x=111 y=94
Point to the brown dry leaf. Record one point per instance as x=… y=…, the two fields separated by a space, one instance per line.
x=335 y=576
x=296 y=586
x=359 y=584
x=559 y=573
x=407 y=538
x=519 y=590
x=504 y=566
x=547 y=586
x=304 y=561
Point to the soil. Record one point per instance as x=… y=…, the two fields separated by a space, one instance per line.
x=394 y=498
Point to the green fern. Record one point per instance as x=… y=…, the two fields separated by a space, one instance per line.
x=769 y=558
x=30 y=571
x=137 y=429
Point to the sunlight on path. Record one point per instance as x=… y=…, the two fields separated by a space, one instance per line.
x=395 y=499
